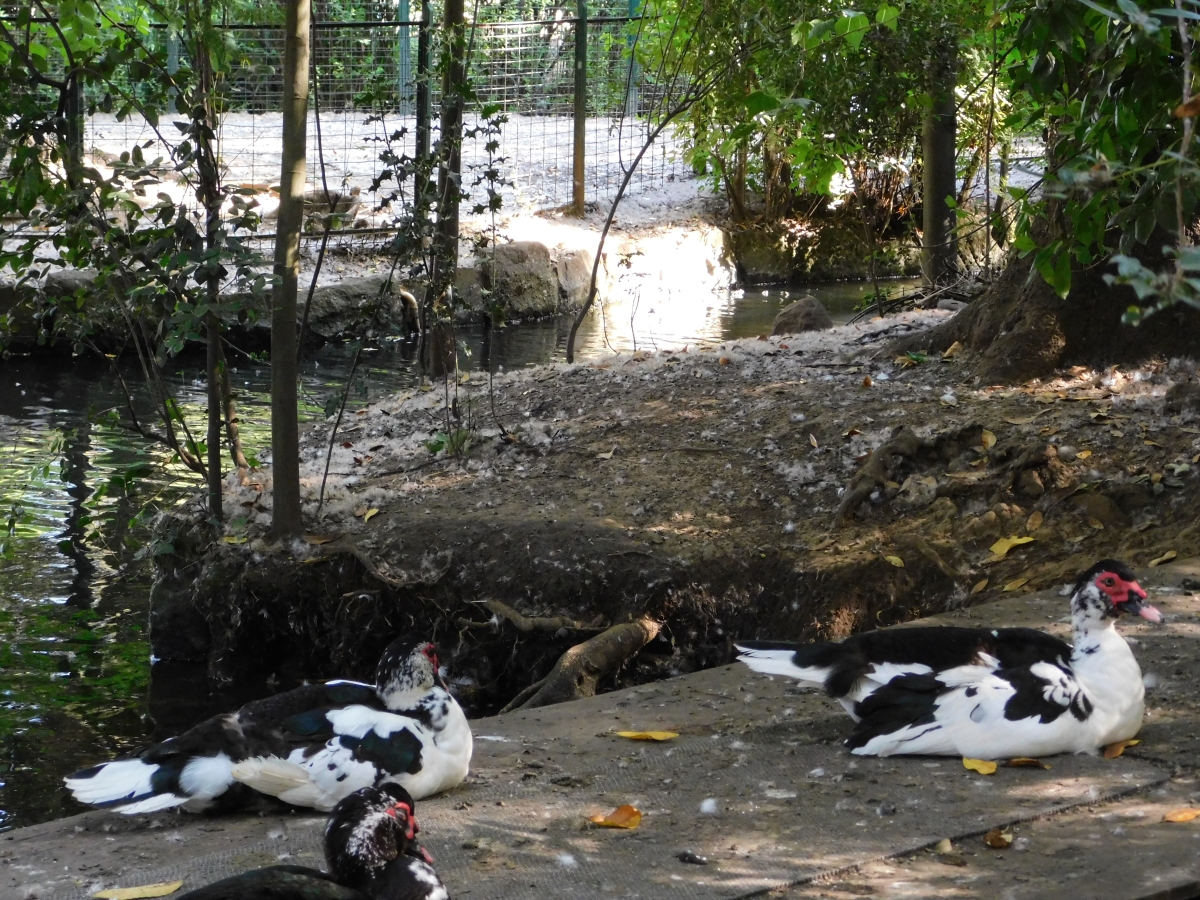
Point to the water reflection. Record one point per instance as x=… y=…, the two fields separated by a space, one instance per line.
x=75 y=675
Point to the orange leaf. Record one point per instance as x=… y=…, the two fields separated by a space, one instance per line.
x=622 y=817
x=979 y=586
x=998 y=839
x=1026 y=762
x=982 y=766
x=1182 y=815
x=1189 y=109
x=1112 y=751
x=319 y=538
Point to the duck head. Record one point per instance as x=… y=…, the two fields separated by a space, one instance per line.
x=1108 y=589
x=407 y=670
x=366 y=831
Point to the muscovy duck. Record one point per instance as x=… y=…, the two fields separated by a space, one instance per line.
x=983 y=693
x=310 y=746
x=370 y=850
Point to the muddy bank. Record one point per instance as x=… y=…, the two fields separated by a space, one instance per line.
x=705 y=491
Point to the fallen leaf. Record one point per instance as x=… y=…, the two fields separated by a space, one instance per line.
x=1150 y=443
x=979 y=586
x=1026 y=762
x=723 y=361
x=1095 y=523
x=234 y=539
x=319 y=538
x=1083 y=454
x=1015 y=585
x=851 y=433
x=1025 y=420
x=812 y=439
x=608 y=455
x=867 y=382
x=648 y=735
x=161 y=889
x=1176 y=815
x=347 y=444
x=1156 y=478
x=998 y=839
x=943 y=846
x=824 y=545
x=622 y=817
x=953 y=350
x=1112 y=751
x=1001 y=547
x=1166 y=557
x=982 y=766
x=370 y=512
x=988 y=440
x=952 y=859
x=1034 y=522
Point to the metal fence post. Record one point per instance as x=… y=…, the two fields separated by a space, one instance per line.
x=406 y=93
x=635 y=71
x=424 y=100
x=172 y=66
x=577 y=161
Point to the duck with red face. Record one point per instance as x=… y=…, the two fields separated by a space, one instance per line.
x=984 y=693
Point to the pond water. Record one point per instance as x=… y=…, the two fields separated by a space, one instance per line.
x=76 y=488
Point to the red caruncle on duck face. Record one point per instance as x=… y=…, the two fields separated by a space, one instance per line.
x=431 y=654
x=403 y=812
x=1127 y=595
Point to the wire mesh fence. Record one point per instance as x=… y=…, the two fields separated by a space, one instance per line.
x=364 y=86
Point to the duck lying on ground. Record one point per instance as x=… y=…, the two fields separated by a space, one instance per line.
x=984 y=693
x=371 y=852
x=311 y=746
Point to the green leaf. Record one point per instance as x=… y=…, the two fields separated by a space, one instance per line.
x=760 y=102
x=887 y=16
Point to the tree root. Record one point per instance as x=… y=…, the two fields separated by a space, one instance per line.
x=878 y=470
x=527 y=624
x=580 y=669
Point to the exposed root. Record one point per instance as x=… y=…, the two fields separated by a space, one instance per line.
x=580 y=669
x=878 y=470
x=527 y=624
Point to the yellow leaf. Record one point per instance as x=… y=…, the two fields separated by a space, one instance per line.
x=622 y=817
x=370 y=512
x=319 y=538
x=979 y=586
x=1026 y=762
x=953 y=350
x=1083 y=454
x=1025 y=420
x=1001 y=547
x=1182 y=815
x=998 y=839
x=1152 y=443
x=1166 y=557
x=1112 y=751
x=1034 y=522
x=982 y=766
x=648 y=735
x=824 y=545
x=608 y=455
x=988 y=440
x=1014 y=585
x=234 y=539
x=895 y=561
x=137 y=893
x=812 y=439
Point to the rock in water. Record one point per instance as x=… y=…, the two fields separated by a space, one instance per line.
x=806 y=314
x=523 y=279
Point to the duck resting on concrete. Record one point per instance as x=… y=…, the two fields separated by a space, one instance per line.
x=311 y=746
x=370 y=850
x=983 y=693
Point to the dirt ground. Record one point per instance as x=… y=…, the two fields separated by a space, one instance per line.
x=703 y=490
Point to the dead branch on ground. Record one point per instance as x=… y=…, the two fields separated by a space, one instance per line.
x=528 y=624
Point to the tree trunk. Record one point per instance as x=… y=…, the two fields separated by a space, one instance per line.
x=285 y=449
x=213 y=438
x=939 y=247
x=450 y=174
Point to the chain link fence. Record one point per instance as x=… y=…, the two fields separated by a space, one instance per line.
x=364 y=90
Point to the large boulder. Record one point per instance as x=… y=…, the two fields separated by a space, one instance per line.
x=370 y=306
x=523 y=279
x=806 y=314
x=574 y=268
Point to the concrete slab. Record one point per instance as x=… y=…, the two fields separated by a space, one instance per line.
x=790 y=804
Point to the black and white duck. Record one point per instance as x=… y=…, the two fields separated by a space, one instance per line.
x=370 y=850
x=311 y=746
x=984 y=693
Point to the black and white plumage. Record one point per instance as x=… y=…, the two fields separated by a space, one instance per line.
x=983 y=693
x=370 y=850
x=310 y=746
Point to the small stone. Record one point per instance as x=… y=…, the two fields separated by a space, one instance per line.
x=1029 y=485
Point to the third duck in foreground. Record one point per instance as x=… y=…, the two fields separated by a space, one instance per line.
x=979 y=692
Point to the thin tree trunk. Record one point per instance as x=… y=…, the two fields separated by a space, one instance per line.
x=939 y=250
x=229 y=408
x=285 y=446
x=213 y=437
